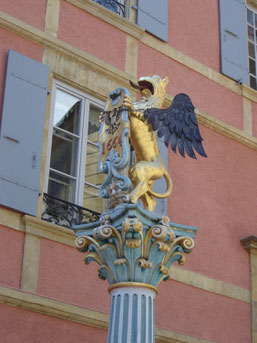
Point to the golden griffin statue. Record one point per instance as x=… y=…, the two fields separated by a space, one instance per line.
x=149 y=166
x=177 y=124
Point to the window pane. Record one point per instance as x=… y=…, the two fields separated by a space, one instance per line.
x=252 y=66
x=250 y=33
x=91 y=198
x=93 y=179
x=253 y=82
x=251 y=49
x=93 y=124
x=64 y=153
x=61 y=187
x=92 y=174
x=255 y=19
x=92 y=201
x=67 y=112
x=249 y=16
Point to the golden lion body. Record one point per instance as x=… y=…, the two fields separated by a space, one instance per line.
x=149 y=166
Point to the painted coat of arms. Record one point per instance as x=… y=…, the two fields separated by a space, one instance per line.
x=113 y=141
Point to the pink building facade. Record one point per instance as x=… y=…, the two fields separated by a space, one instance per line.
x=83 y=51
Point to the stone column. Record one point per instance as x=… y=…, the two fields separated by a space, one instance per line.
x=132 y=313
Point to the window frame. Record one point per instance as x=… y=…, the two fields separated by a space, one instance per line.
x=254 y=10
x=86 y=101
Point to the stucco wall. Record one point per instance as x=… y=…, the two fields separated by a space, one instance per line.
x=83 y=33
x=202 y=314
x=19 y=325
x=30 y=11
x=217 y=195
x=194 y=30
x=11 y=254
x=205 y=94
x=64 y=276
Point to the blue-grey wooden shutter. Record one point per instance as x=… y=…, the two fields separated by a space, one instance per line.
x=233 y=40
x=21 y=135
x=160 y=185
x=152 y=15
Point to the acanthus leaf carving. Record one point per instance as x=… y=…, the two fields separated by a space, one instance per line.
x=133 y=250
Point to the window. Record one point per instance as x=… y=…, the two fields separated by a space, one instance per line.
x=113 y=5
x=252 y=45
x=233 y=40
x=72 y=171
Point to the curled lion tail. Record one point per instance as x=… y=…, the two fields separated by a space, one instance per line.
x=169 y=187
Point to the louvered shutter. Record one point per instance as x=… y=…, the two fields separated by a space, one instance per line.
x=233 y=40
x=21 y=135
x=152 y=15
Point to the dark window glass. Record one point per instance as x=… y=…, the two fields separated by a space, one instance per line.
x=92 y=177
x=249 y=16
x=64 y=153
x=252 y=66
x=251 y=33
x=61 y=187
x=253 y=82
x=93 y=123
x=251 y=50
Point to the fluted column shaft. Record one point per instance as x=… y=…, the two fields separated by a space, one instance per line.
x=131 y=315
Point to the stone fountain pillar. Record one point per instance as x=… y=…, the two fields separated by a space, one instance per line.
x=133 y=246
x=134 y=249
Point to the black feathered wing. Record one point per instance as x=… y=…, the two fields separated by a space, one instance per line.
x=178 y=125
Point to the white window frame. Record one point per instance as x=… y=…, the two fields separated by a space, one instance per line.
x=254 y=10
x=83 y=136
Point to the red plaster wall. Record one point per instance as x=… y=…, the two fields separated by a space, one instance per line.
x=30 y=11
x=64 y=276
x=218 y=195
x=202 y=314
x=11 y=255
x=92 y=35
x=204 y=93
x=254 y=113
x=17 y=325
x=11 y=41
x=194 y=30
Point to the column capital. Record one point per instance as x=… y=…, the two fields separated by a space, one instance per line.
x=133 y=245
x=249 y=243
